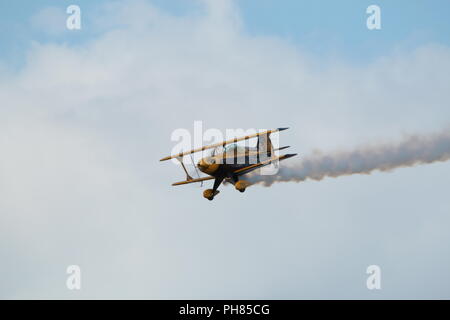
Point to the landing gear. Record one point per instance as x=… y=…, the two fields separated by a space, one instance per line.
x=241 y=185
x=210 y=193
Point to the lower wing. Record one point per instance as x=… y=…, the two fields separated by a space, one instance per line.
x=255 y=166
x=192 y=181
x=240 y=171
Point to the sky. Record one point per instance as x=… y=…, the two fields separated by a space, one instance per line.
x=85 y=116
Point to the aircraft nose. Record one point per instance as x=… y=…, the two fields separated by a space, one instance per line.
x=202 y=165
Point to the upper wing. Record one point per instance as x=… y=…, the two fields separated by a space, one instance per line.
x=255 y=166
x=192 y=181
x=181 y=154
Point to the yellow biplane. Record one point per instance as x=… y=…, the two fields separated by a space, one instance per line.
x=229 y=162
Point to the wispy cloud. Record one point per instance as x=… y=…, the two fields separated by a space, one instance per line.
x=82 y=127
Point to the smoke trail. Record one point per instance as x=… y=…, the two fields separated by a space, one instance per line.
x=411 y=151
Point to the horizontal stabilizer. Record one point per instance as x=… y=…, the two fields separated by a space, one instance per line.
x=282 y=148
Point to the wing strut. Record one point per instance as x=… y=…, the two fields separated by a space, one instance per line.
x=188 y=177
x=196 y=170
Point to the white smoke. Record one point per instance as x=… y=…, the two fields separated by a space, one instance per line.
x=412 y=150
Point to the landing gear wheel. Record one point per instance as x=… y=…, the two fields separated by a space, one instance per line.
x=241 y=185
x=209 y=194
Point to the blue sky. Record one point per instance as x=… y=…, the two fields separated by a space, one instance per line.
x=325 y=28
x=340 y=26
x=86 y=115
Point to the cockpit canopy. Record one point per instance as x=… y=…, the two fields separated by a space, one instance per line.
x=229 y=148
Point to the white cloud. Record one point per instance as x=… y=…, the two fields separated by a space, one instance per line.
x=82 y=128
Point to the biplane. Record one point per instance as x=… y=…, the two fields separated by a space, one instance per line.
x=228 y=161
